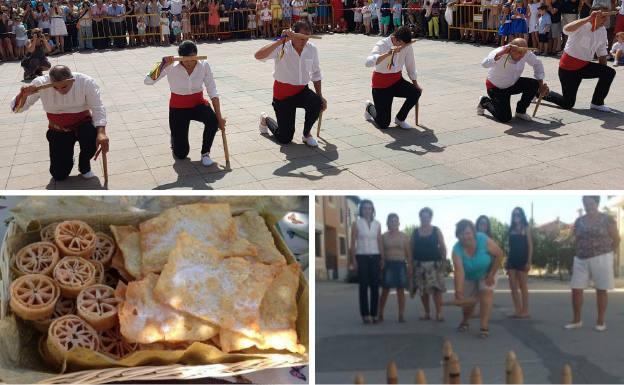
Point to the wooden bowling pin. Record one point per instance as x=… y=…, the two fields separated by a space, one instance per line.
x=566 y=374
x=509 y=361
x=475 y=376
x=392 y=373
x=516 y=377
x=447 y=350
x=420 y=377
x=454 y=370
x=359 y=379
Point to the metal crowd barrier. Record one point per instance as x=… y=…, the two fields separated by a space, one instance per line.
x=470 y=19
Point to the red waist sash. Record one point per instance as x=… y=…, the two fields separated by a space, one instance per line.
x=571 y=63
x=283 y=91
x=381 y=80
x=187 y=101
x=67 y=122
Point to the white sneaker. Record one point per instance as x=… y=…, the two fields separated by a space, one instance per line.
x=616 y=64
x=601 y=328
x=576 y=325
x=524 y=116
x=264 y=129
x=206 y=161
x=601 y=108
x=367 y=116
x=88 y=175
x=310 y=141
x=480 y=109
x=402 y=124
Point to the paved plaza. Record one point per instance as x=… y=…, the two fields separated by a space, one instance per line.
x=453 y=148
x=345 y=346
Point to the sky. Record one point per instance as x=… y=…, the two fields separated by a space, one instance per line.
x=448 y=209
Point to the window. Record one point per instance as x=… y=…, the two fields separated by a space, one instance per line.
x=317 y=242
x=343 y=246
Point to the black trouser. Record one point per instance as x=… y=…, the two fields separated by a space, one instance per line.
x=61 y=146
x=369 y=275
x=118 y=29
x=179 y=121
x=571 y=80
x=286 y=110
x=498 y=102
x=383 y=97
x=100 y=34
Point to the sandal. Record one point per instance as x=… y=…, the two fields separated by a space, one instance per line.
x=463 y=327
x=484 y=333
x=425 y=318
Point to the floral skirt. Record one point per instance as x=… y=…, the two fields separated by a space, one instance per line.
x=429 y=277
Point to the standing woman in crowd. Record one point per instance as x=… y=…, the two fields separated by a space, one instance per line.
x=58 y=29
x=366 y=258
x=519 y=261
x=476 y=259
x=214 y=19
x=597 y=242
x=153 y=21
x=100 y=25
x=483 y=225
x=85 y=26
x=6 y=46
x=429 y=254
x=29 y=17
x=43 y=18
x=131 y=20
x=397 y=265
x=72 y=15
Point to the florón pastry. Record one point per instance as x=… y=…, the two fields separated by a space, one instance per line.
x=34 y=296
x=74 y=274
x=69 y=332
x=97 y=305
x=104 y=249
x=75 y=238
x=37 y=258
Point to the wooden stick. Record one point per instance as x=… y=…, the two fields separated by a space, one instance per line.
x=359 y=379
x=509 y=361
x=454 y=370
x=189 y=58
x=392 y=373
x=105 y=168
x=447 y=351
x=49 y=85
x=539 y=101
x=566 y=374
x=461 y=303
x=475 y=376
x=516 y=376
x=420 y=377
x=416 y=114
x=318 y=127
x=225 y=148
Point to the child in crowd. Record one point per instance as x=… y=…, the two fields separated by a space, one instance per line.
x=186 y=24
x=342 y=26
x=504 y=31
x=141 y=27
x=276 y=15
x=358 y=18
x=252 y=25
x=266 y=17
x=21 y=37
x=519 y=25
x=286 y=13
x=386 y=16
x=297 y=9
x=396 y=13
x=618 y=50
x=176 y=26
x=543 y=29
x=164 y=28
x=367 y=19
x=533 y=20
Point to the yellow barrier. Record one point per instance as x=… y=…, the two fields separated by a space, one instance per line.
x=470 y=19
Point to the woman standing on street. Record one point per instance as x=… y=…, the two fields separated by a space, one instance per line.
x=597 y=241
x=519 y=262
x=366 y=256
x=397 y=265
x=429 y=253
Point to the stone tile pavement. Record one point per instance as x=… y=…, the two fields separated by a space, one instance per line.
x=453 y=148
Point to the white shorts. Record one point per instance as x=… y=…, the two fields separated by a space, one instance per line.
x=598 y=269
x=472 y=288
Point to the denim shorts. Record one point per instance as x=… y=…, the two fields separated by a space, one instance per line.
x=395 y=275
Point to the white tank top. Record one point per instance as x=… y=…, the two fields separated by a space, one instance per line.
x=366 y=242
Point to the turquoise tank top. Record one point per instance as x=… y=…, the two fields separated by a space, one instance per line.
x=477 y=266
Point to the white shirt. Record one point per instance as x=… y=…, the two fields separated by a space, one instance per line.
x=367 y=242
x=504 y=76
x=617 y=46
x=82 y=96
x=295 y=69
x=583 y=44
x=176 y=7
x=404 y=58
x=182 y=84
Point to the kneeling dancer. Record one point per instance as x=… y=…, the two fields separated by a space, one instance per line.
x=586 y=37
x=186 y=80
x=296 y=63
x=75 y=113
x=506 y=65
x=389 y=56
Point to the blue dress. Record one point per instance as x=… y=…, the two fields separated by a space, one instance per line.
x=505 y=27
x=520 y=26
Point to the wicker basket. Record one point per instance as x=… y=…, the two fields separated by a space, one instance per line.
x=166 y=372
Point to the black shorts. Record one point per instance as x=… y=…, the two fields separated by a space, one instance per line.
x=544 y=37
